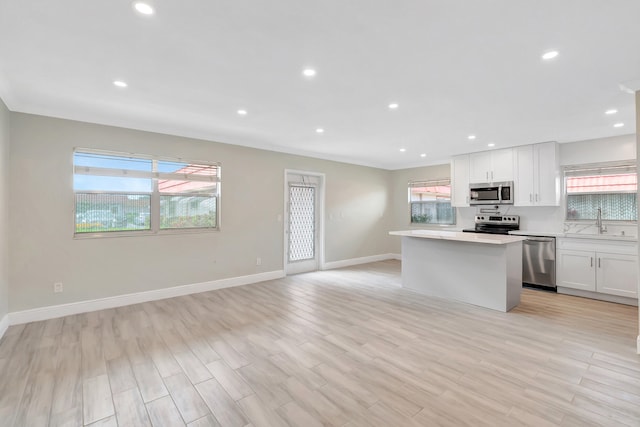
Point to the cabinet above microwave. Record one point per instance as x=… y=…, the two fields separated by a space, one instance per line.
x=534 y=170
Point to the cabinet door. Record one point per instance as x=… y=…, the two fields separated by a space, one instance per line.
x=523 y=183
x=460 y=181
x=546 y=174
x=502 y=165
x=617 y=274
x=576 y=269
x=480 y=167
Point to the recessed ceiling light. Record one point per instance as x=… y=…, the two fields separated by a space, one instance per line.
x=618 y=125
x=423 y=155
x=309 y=72
x=550 y=55
x=242 y=112
x=393 y=106
x=120 y=83
x=319 y=130
x=612 y=111
x=143 y=8
x=472 y=137
x=491 y=144
x=402 y=150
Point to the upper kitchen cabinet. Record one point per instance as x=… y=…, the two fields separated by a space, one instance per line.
x=537 y=170
x=491 y=166
x=460 y=181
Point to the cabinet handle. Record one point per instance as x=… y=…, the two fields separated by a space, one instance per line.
x=591 y=261
x=491 y=175
x=487 y=175
x=599 y=262
x=530 y=197
x=536 y=197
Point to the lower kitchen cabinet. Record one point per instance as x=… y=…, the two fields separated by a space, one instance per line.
x=601 y=267
x=575 y=270
x=617 y=274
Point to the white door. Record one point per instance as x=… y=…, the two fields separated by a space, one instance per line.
x=547 y=176
x=501 y=165
x=303 y=198
x=524 y=191
x=576 y=269
x=617 y=274
x=480 y=167
x=460 y=181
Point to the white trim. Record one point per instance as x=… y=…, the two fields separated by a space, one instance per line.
x=51 y=312
x=357 y=261
x=321 y=211
x=4 y=325
x=638 y=345
x=597 y=295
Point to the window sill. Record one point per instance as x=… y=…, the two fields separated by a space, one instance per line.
x=145 y=233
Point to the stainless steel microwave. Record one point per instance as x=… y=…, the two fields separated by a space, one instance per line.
x=495 y=193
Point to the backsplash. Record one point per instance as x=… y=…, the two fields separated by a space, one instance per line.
x=548 y=219
x=591 y=228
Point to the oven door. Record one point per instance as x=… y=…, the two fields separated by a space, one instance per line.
x=484 y=195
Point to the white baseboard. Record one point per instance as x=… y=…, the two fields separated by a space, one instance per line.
x=597 y=295
x=51 y=312
x=358 y=261
x=4 y=325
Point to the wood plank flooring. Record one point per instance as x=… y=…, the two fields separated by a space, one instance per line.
x=343 y=347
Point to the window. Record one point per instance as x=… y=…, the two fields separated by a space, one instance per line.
x=134 y=193
x=612 y=188
x=430 y=202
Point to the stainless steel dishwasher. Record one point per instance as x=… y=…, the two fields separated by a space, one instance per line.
x=539 y=262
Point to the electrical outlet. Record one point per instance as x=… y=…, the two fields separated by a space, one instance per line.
x=258 y=261
x=57 y=287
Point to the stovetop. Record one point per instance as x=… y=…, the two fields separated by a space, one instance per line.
x=495 y=224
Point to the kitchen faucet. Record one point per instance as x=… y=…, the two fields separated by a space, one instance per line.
x=601 y=227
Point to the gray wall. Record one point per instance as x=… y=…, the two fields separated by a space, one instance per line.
x=43 y=250
x=4 y=209
x=400 y=216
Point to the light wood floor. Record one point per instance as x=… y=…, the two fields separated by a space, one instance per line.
x=344 y=347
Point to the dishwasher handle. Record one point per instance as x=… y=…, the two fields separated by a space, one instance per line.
x=538 y=239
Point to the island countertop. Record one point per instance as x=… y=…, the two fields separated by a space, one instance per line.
x=492 y=239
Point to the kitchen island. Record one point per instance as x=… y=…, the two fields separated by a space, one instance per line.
x=479 y=269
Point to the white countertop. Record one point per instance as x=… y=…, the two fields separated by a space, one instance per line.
x=604 y=236
x=537 y=233
x=492 y=239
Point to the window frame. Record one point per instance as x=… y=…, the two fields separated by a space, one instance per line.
x=154 y=202
x=574 y=170
x=425 y=183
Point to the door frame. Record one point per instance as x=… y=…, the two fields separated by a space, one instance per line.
x=319 y=214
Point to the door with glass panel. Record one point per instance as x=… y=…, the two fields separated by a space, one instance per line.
x=302 y=197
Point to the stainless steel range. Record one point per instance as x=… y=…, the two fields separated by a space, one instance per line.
x=495 y=224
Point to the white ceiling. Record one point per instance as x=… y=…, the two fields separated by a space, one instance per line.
x=455 y=67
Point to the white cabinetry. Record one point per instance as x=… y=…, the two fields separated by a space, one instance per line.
x=491 y=166
x=537 y=173
x=460 y=181
x=576 y=269
x=600 y=266
x=617 y=274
